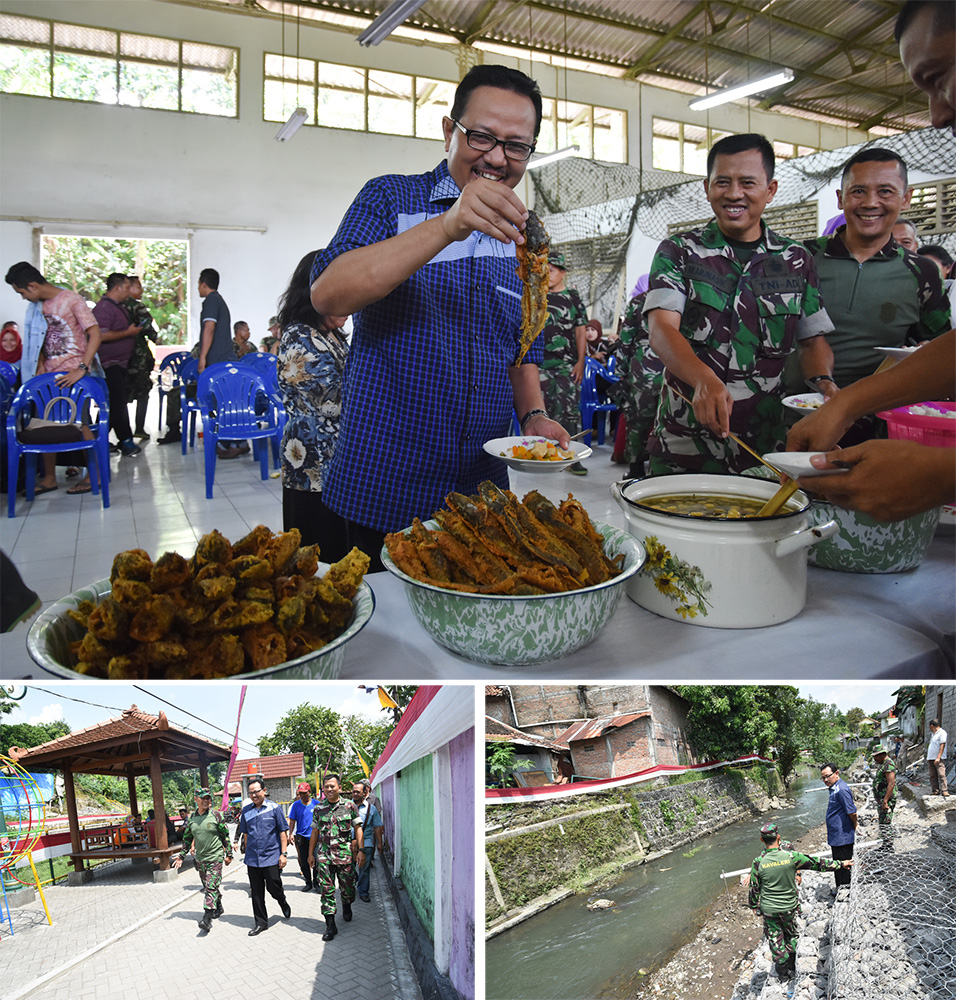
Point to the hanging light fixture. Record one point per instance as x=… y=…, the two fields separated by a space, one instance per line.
x=297 y=118
x=394 y=14
x=561 y=154
x=744 y=90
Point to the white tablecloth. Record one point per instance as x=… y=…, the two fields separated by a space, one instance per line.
x=855 y=626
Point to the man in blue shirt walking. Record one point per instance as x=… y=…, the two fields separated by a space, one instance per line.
x=265 y=844
x=300 y=827
x=426 y=267
x=841 y=819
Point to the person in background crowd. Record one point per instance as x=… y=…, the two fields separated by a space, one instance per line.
x=330 y=852
x=936 y=759
x=905 y=235
x=240 y=339
x=300 y=828
x=311 y=361
x=11 y=347
x=725 y=307
x=565 y=349
x=372 y=826
x=265 y=844
x=926 y=34
x=142 y=361
x=60 y=335
x=841 y=819
x=118 y=339
x=941 y=258
x=206 y=829
x=773 y=896
x=270 y=343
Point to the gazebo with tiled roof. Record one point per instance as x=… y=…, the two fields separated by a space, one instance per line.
x=134 y=744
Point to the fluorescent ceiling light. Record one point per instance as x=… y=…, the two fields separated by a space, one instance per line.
x=386 y=22
x=561 y=154
x=744 y=90
x=295 y=122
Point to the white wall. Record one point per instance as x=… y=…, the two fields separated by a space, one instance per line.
x=186 y=174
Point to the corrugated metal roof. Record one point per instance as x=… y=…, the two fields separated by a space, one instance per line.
x=591 y=729
x=501 y=732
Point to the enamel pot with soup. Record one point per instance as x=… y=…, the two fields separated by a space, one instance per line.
x=708 y=568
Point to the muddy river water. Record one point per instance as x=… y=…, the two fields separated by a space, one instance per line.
x=569 y=952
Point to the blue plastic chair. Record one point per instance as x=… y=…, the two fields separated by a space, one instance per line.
x=32 y=399
x=267 y=364
x=171 y=366
x=8 y=374
x=227 y=394
x=188 y=404
x=593 y=403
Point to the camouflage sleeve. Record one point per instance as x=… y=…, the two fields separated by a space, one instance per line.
x=753 y=895
x=814 y=319
x=816 y=864
x=935 y=315
x=222 y=831
x=578 y=311
x=667 y=288
x=187 y=839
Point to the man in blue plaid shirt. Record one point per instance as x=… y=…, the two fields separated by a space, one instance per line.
x=426 y=266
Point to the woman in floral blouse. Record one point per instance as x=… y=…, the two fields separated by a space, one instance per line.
x=312 y=353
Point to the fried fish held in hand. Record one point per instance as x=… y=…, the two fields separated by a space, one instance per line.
x=532 y=256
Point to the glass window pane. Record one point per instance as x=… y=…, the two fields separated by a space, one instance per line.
x=25 y=71
x=783 y=150
x=805 y=150
x=84 y=78
x=76 y=36
x=164 y=50
x=666 y=153
x=25 y=29
x=290 y=68
x=143 y=85
x=208 y=56
x=695 y=158
x=208 y=93
x=662 y=126
x=610 y=135
x=546 y=134
x=390 y=106
x=281 y=99
x=341 y=97
x=433 y=99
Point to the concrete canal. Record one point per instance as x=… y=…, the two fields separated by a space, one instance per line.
x=568 y=952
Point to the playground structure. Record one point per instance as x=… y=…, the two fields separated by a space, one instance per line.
x=22 y=824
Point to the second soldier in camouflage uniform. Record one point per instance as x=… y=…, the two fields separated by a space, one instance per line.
x=884 y=791
x=773 y=894
x=206 y=828
x=565 y=347
x=330 y=851
x=726 y=305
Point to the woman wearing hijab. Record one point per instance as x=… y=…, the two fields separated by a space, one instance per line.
x=11 y=346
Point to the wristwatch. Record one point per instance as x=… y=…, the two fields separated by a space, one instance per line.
x=284 y=854
x=85 y=368
x=814 y=380
x=532 y=413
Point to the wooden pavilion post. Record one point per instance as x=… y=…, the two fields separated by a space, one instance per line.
x=73 y=818
x=203 y=770
x=133 y=801
x=159 y=809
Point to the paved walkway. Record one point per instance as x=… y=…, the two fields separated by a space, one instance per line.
x=123 y=935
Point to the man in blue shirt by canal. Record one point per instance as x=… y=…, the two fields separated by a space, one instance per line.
x=265 y=844
x=300 y=827
x=841 y=819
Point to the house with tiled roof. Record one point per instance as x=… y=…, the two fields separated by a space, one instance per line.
x=281 y=774
x=543 y=760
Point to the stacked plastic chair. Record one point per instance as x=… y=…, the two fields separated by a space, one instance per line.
x=42 y=397
x=188 y=405
x=169 y=378
x=228 y=394
x=593 y=403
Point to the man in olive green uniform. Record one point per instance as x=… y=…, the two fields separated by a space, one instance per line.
x=884 y=790
x=330 y=852
x=206 y=829
x=773 y=894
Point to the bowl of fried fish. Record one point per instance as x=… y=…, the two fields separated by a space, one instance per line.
x=509 y=582
x=263 y=607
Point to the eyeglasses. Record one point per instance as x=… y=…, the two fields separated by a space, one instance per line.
x=486 y=143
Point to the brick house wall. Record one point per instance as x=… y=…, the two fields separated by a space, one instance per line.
x=941 y=704
x=549 y=709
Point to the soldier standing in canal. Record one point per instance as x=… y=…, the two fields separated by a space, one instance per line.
x=206 y=829
x=330 y=852
x=884 y=791
x=773 y=895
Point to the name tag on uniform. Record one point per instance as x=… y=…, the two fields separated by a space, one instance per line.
x=784 y=285
x=725 y=283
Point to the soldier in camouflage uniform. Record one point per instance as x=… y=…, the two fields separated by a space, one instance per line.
x=884 y=791
x=773 y=895
x=726 y=305
x=565 y=347
x=206 y=828
x=330 y=851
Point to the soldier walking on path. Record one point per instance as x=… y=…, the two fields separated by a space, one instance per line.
x=773 y=895
x=884 y=791
x=330 y=852
x=206 y=831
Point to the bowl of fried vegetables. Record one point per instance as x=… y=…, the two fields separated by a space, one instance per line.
x=264 y=607
x=503 y=581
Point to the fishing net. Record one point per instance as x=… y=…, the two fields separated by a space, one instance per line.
x=593 y=211
x=895 y=935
